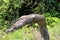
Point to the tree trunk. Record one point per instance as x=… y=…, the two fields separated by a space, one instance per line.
x=36 y=18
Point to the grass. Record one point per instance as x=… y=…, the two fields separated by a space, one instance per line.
x=21 y=34
x=31 y=33
x=54 y=32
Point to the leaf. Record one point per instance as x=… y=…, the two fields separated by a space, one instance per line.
x=6 y=1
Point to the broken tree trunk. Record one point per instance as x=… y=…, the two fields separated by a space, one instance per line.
x=36 y=18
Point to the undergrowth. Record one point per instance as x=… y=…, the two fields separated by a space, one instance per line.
x=32 y=33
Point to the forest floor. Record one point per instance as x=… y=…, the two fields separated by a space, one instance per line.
x=31 y=33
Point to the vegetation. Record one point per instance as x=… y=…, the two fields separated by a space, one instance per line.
x=10 y=10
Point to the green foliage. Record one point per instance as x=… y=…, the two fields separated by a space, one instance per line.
x=12 y=9
x=52 y=21
x=53 y=7
x=21 y=34
x=54 y=32
x=29 y=33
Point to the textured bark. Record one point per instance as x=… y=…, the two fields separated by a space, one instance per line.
x=36 y=18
